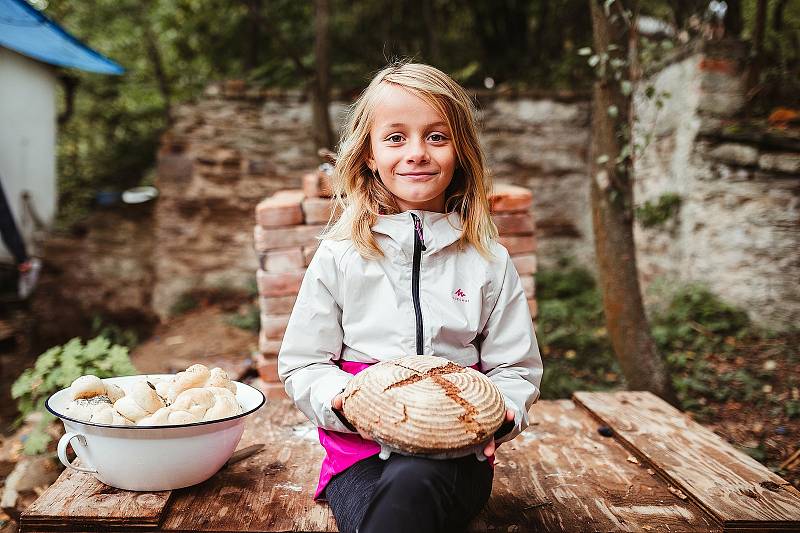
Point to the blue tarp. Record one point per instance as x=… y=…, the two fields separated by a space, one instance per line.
x=27 y=31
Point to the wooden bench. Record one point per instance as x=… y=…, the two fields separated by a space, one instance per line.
x=660 y=471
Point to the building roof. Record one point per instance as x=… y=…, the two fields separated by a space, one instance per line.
x=27 y=31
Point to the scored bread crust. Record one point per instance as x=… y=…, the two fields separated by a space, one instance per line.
x=424 y=404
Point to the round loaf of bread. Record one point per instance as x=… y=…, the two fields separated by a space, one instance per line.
x=423 y=404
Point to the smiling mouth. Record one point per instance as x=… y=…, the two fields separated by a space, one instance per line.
x=418 y=174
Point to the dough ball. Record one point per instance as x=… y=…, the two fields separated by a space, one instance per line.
x=193 y=377
x=145 y=395
x=159 y=418
x=182 y=417
x=87 y=387
x=219 y=378
x=127 y=407
x=114 y=392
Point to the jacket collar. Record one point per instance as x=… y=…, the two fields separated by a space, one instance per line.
x=439 y=229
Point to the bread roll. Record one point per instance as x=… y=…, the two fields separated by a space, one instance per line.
x=87 y=387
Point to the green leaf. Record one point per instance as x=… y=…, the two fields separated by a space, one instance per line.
x=613 y=111
x=36 y=442
x=585 y=51
x=601 y=160
x=594 y=60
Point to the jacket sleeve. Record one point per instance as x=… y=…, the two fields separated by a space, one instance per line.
x=509 y=350
x=313 y=339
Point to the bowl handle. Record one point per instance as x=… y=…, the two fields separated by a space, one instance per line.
x=62 y=451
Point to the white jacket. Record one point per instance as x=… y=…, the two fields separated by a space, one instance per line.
x=364 y=310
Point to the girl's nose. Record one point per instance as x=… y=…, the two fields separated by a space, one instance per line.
x=417 y=152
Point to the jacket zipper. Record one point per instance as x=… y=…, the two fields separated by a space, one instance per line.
x=419 y=246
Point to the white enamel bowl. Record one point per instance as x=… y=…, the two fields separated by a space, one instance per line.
x=152 y=458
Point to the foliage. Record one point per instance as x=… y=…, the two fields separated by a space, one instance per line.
x=56 y=369
x=702 y=337
x=571 y=333
x=248 y=319
x=654 y=214
x=114 y=333
x=697 y=320
x=185 y=303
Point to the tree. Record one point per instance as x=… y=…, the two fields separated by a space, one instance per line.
x=321 y=88
x=614 y=40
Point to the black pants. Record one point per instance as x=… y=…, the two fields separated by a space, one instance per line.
x=407 y=493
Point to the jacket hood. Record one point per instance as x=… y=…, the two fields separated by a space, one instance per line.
x=439 y=230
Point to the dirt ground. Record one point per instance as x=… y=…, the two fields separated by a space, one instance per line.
x=199 y=336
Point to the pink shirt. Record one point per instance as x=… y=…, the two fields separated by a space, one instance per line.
x=342 y=450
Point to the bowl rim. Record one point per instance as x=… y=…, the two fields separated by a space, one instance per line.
x=169 y=426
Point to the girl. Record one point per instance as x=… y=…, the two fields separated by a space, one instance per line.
x=411 y=267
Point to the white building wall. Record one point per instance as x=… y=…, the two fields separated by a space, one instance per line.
x=27 y=138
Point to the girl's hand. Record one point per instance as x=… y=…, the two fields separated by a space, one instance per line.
x=336 y=404
x=491 y=447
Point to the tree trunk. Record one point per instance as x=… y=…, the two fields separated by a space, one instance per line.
x=612 y=216
x=323 y=135
x=756 y=55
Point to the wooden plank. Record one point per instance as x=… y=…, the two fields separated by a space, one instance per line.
x=561 y=475
x=271 y=491
x=79 y=501
x=731 y=486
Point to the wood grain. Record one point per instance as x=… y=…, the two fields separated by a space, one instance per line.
x=79 y=501
x=270 y=491
x=732 y=487
x=561 y=475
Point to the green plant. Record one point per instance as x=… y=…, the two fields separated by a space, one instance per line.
x=697 y=320
x=56 y=369
x=249 y=319
x=185 y=303
x=654 y=214
x=114 y=333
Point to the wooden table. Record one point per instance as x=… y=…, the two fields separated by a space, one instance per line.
x=659 y=472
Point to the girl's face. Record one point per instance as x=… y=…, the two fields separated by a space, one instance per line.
x=412 y=150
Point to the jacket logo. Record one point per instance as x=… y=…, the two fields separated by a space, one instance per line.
x=460 y=296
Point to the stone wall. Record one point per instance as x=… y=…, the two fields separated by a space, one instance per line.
x=737 y=229
x=103 y=269
x=238 y=145
x=287 y=224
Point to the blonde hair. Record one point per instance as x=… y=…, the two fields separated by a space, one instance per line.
x=361 y=195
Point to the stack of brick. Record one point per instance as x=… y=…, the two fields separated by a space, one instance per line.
x=287 y=224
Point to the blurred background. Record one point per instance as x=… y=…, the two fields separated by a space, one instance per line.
x=132 y=166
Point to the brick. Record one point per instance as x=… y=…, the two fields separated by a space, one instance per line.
x=280 y=284
x=267 y=367
x=317 y=185
x=518 y=244
x=268 y=346
x=273 y=391
x=529 y=286
x=318 y=210
x=286 y=260
x=525 y=263
x=274 y=326
x=275 y=238
x=309 y=251
x=278 y=305
x=284 y=208
x=514 y=223
x=506 y=198
x=534 y=307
